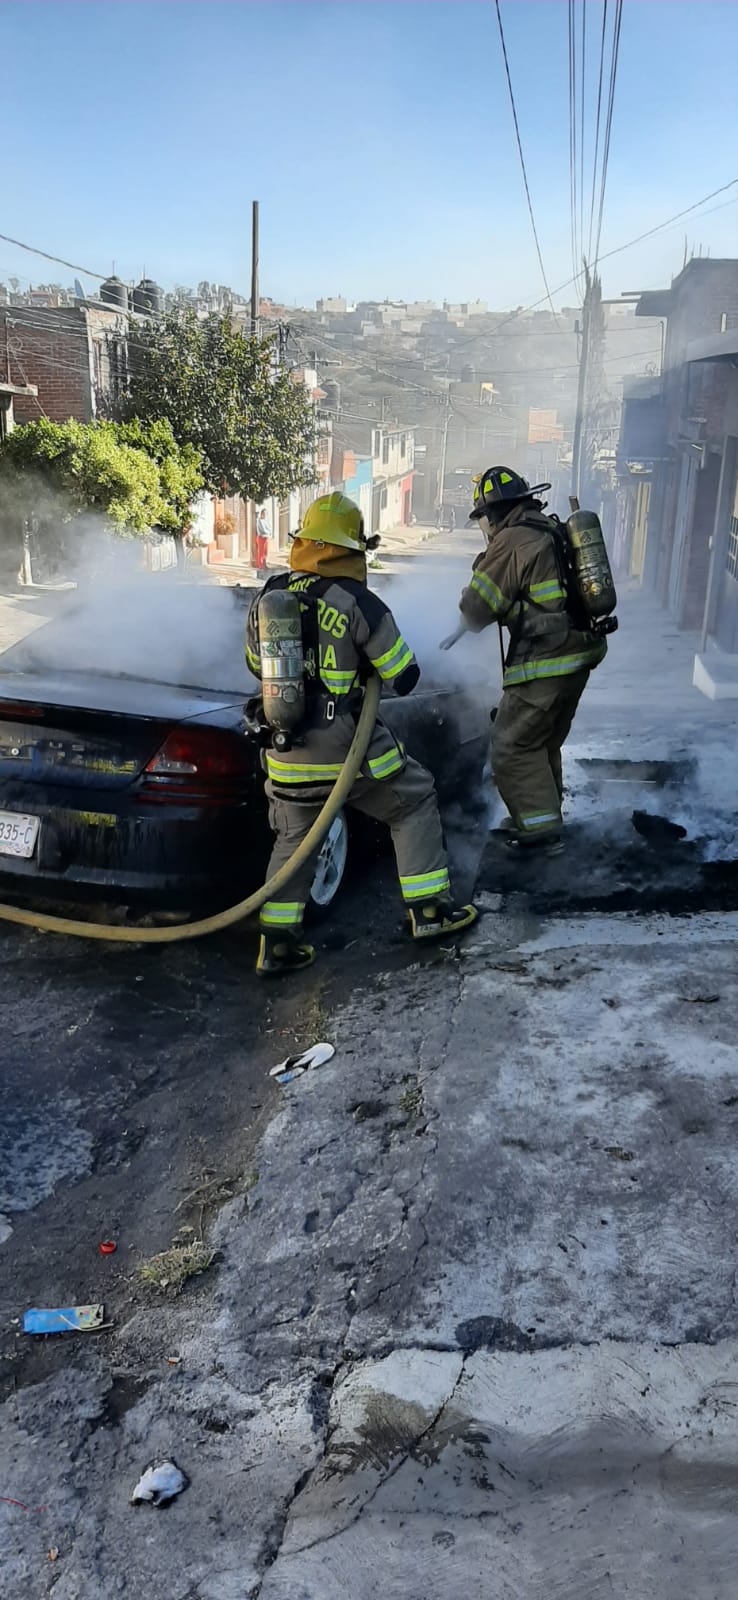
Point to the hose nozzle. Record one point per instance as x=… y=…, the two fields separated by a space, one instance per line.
x=447 y=644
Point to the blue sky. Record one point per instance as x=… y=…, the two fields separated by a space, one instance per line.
x=377 y=137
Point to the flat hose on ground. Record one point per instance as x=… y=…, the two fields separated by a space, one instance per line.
x=225 y=919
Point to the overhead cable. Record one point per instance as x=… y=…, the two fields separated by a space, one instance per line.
x=573 y=137
x=522 y=157
x=608 y=122
x=600 y=81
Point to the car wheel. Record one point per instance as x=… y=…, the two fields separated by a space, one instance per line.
x=331 y=866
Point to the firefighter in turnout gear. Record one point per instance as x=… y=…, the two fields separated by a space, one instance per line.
x=517 y=582
x=347 y=631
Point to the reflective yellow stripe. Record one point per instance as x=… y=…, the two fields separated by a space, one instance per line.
x=544 y=819
x=555 y=667
x=337 y=682
x=547 y=591
x=282 y=913
x=384 y=766
x=425 y=885
x=388 y=673
x=253 y=660
x=490 y=593
x=398 y=646
x=283 y=772
x=393 y=661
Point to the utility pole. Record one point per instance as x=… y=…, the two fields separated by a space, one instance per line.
x=254 y=269
x=444 y=448
x=576 y=454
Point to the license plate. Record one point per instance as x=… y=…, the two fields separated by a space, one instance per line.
x=18 y=834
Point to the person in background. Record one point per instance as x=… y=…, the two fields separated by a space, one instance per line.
x=263 y=535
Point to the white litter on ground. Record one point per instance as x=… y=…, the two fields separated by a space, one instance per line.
x=159 y=1484
x=294 y=1066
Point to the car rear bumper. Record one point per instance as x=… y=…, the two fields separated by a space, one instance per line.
x=148 y=856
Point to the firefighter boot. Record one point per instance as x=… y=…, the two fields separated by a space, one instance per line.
x=431 y=919
x=281 y=953
x=550 y=844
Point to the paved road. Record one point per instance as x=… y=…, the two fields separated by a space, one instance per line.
x=472 y=1326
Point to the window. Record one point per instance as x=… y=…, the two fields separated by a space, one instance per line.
x=403 y=442
x=385 y=451
x=383 y=500
x=731 y=563
x=376 y=443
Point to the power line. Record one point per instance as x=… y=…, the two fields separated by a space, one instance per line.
x=514 y=316
x=608 y=123
x=522 y=157
x=73 y=265
x=572 y=137
x=347 y=359
x=597 y=128
x=581 y=129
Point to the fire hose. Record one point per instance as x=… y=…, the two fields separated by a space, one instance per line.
x=226 y=919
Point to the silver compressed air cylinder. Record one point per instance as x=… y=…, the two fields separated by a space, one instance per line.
x=282 y=659
x=591 y=564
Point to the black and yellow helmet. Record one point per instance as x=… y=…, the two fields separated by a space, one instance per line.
x=500 y=486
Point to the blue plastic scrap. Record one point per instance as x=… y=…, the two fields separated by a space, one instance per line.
x=66 y=1319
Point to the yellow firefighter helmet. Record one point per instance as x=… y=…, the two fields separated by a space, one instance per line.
x=334 y=519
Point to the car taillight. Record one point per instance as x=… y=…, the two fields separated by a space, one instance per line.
x=203 y=765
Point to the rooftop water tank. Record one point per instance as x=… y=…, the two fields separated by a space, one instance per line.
x=148 y=298
x=114 y=293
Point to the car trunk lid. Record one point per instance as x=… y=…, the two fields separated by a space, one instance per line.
x=75 y=730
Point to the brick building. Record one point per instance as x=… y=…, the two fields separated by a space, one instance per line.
x=75 y=356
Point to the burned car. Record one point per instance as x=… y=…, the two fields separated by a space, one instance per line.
x=125 y=771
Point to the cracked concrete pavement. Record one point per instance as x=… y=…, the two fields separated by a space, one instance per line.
x=472 y=1326
x=474 y=1323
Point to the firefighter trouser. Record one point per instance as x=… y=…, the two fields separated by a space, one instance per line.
x=532 y=724
x=406 y=802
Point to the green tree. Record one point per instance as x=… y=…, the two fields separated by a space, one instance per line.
x=180 y=468
x=134 y=478
x=224 y=394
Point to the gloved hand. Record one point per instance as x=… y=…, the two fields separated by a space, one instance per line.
x=254 y=721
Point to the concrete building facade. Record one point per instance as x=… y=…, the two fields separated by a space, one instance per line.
x=680 y=435
x=393 y=462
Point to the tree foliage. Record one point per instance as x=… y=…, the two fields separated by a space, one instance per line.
x=180 y=468
x=225 y=395
x=134 y=477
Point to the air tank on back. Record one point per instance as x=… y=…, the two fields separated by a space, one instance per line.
x=114 y=292
x=592 y=566
x=148 y=298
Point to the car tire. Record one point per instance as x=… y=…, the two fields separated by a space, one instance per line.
x=330 y=870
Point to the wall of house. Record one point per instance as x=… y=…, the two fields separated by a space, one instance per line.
x=52 y=349
x=358 y=487
x=76 y=355
x=393 y=459
x=390 y=504
x=702 y=295
x=393 y=452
